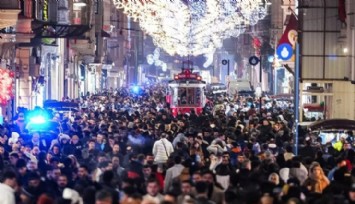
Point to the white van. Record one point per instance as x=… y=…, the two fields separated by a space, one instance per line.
x=216 y=89
x=240 y=86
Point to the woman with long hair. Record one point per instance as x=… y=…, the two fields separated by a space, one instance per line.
x=316 y=181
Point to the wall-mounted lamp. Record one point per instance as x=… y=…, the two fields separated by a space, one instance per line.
x=79 y=3
x=345 y=50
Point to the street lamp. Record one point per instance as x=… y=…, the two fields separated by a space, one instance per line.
x=226 y=62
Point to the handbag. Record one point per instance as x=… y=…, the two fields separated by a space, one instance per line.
x=166 y=152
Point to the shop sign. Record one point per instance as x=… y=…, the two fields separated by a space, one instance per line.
x=45 y=10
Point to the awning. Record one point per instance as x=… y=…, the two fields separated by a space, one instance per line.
x=105 y=34
x=314 y=107
x=330 y=124
x=8 y=17
x=52 y=30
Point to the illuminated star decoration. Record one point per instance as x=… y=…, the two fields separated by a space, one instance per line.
x=189 y=27
x=154 y=59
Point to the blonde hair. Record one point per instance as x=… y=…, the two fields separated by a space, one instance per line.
x=277 y=182
x=322 y=175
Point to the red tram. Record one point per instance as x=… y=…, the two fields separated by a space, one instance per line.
x=186 y=92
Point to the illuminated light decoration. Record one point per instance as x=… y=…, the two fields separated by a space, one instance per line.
x=6 y=82
x=193 y=27
x=154 y=59
x=209 y=60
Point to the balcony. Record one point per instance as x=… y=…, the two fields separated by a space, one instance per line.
x=53 y=30
x=8 y=17
x=54 y=21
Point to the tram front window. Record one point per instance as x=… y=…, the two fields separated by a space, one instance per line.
x=189 y=96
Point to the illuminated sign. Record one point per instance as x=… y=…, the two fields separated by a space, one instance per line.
x=45 y=10
x=187 y=74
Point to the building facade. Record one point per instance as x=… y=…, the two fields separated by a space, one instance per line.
x=327 y=59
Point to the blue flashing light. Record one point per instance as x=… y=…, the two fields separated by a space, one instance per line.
x=38 y=120
x=136 y=89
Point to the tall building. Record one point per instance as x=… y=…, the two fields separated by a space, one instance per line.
x=9 y=12
x=327 y=59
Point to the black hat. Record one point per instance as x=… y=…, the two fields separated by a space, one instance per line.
x=33 y=176
x=20 y=163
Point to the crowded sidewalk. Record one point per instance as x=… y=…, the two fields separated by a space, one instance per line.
x=127 y=148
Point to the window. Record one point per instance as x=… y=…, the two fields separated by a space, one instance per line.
x=189 y=96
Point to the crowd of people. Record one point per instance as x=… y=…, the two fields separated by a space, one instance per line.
x=127 y=148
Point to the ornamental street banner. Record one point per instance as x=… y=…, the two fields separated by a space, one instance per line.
x=287 y=42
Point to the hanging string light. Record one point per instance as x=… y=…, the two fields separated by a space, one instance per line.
x=185 y=27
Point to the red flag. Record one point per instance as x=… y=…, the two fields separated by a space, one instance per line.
x=290 y=34
x=342 y=11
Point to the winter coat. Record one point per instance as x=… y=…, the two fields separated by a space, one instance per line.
x=162 y=150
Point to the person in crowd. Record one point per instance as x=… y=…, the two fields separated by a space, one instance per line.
x=103 y=197
x=340 y=163
x=224 y=171
x=172 y=173
x=317 y=181
x=153 y=191
x=8 y=187
x=214 y=193
x=37 y=141
x=101 y=143
x=187 y=192
x=13 y=157
x=116 y=166
x=162 y=150
x=274 y=179
x=351 y=194
x=288 y=154
x=202 y=196
x=127 y=148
